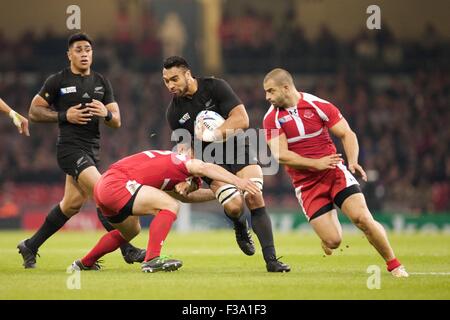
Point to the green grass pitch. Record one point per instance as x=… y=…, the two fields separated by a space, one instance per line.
x=214 y=268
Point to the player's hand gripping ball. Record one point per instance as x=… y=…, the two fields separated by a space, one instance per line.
x=206 y=123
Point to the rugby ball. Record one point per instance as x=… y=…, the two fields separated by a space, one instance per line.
x=210 y=120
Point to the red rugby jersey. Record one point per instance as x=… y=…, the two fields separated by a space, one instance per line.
x=305 y=126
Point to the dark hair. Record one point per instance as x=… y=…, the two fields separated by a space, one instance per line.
x=78 y=37
x=175 y=61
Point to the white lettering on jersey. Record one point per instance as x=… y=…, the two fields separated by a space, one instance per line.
x=151 y=154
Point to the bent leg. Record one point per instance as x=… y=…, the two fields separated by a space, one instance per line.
x=70 y=205
x=329 y=230
x=125 y=231
x=232 y=201
x=355 y=208
x=260 y=219
x=88 y=178
x=74 y=197
x=229 y=197
x=165 y=208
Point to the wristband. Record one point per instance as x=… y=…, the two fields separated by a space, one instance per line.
x=15 y=118
x=62 y=116
x=108 y=116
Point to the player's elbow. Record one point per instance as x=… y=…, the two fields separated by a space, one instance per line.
x=282 y=158
x=245 y=123
x=32 y=114
x=240 y=120
x=348 y=134
x=114 y=124
x=118 y=124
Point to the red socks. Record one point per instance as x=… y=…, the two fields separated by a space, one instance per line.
x=159 y=228
x=108 y=243
x=392 y=264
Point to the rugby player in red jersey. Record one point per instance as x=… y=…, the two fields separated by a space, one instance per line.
x=297 y=128
x=136 y=186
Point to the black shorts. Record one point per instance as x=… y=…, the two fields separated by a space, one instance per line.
x=73 y=161
x=242 y=157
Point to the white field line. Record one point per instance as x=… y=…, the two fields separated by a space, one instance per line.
x=431 y=273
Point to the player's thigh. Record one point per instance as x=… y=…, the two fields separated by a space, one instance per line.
x=129 y=228
x=74 y=197
x=250 y=171
x=328 y=228
x=228 y=196
x=150 y=200
x=88 y=178
x=254 y=173
x=355 y=208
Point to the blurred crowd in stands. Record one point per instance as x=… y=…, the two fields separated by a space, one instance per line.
x=395 y=95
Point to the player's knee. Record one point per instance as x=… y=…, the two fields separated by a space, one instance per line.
x=254 y=201
x=172 y=205
x=70 y=208
x=234 y=208
x=363 y=221
x=134 y=231
x=333 y=243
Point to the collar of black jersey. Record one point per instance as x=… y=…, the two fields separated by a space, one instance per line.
x=79 y=75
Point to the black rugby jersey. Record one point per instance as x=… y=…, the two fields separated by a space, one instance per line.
x=65 y=89
x=212 y=94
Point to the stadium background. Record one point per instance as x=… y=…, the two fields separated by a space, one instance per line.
x=392 y=85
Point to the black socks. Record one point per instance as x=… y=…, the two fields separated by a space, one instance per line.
x=262 y=227
x=55 y=220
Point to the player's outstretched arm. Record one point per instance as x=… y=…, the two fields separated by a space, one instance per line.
x=19 y=121
x=200 y=195
x=279 y=148
x=199 y=168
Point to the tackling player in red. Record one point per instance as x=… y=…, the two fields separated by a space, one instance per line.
x=136 y=186
x=297 y=126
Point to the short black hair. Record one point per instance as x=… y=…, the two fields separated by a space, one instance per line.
x=175 y=61
x=78 y=37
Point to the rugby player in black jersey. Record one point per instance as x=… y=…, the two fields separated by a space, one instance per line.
x=78 y=99
x=192 y=95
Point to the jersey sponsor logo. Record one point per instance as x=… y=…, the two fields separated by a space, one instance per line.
x=86 y=95
x=285 y=119
x=66 y=90
x=184 y=118
x=308 y=114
